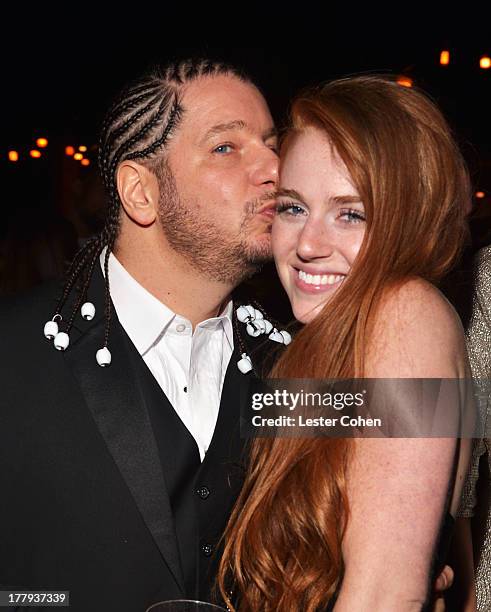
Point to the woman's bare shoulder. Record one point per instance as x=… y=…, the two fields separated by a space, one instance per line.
x=416 y=333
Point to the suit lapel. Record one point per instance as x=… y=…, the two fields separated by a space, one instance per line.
x=118 y=408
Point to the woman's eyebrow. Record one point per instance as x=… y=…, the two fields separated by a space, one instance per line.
x=291 y=193
x=345 y=199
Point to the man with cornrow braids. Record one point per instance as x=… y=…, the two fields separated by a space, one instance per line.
x=120 y=452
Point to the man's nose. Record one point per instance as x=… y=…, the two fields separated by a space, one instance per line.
x=266 y=170
x=315 y=240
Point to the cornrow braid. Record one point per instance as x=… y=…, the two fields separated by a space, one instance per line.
x=132 y=119
x=74 y=270
x=174 y=118
x=138 y=125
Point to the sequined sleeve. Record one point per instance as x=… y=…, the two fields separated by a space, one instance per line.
x=479 y=349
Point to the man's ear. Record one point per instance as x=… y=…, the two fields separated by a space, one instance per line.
x=139 y=192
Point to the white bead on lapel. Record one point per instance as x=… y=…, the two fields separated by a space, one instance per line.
x=246 y=314
x=276 y=336
x=88 y=311
x=286 y=336
x=61 y=341
x=256 y=325
x=256 y=328
x=245 y=364
x=103 y=357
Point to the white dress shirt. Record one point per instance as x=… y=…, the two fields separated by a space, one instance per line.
x=189 y=367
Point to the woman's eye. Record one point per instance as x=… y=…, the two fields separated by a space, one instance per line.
x=289 y=208
x=224 y=148
x=352 y=216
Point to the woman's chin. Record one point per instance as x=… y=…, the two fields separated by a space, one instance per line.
x=305 y=313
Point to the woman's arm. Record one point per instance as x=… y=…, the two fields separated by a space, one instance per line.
x=399 y=487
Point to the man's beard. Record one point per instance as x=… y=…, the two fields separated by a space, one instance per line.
x=218 y=257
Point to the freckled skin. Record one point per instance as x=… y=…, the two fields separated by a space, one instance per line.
x=323 y=236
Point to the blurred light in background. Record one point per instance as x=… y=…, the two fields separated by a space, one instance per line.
x=78 y=156
x=480 y=194
x=405 y=81
x=85 y=162
x=82 y=148
x=13 y=156
x=485 y=62
x=42 y=143
x=34 y=153
x=69 y=151
x=445 y=58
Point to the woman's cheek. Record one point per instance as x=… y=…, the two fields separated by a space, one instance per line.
x=280 y=247
x=275 y=238
x=358 y=241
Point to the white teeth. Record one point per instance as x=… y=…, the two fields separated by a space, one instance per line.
x=320 y=279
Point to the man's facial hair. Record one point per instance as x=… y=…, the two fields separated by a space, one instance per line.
x=224 y=258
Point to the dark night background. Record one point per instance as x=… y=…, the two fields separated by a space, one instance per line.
x=60 y=78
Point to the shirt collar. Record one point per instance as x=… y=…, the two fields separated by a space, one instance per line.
x=141 y=314
x=226 y=317
x=145 y=318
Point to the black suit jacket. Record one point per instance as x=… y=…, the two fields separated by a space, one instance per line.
x=84 y=505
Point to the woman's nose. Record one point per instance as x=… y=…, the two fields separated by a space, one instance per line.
x=315 y=240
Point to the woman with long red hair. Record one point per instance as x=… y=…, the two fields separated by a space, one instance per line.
x=370 y=216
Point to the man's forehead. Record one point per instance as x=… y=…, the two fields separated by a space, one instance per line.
x=209 y=87
x=267 y=131
x=223 y=101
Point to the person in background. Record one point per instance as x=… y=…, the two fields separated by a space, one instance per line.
x=479 y=346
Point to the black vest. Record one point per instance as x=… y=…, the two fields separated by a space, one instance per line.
x=201 y=494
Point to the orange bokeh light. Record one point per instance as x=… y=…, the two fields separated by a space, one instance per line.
x=445 y=58
x=42 y=143
x=485 y=62
x=405 y=81
x=85 y=162
x=13 y=156
x=78 y=156
x=69 y=151
x=34 y=153
x=480 y=194
x=82 y=148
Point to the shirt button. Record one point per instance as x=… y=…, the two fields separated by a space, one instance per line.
x=203 y=492
x=207 y=550
x=181 y=327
